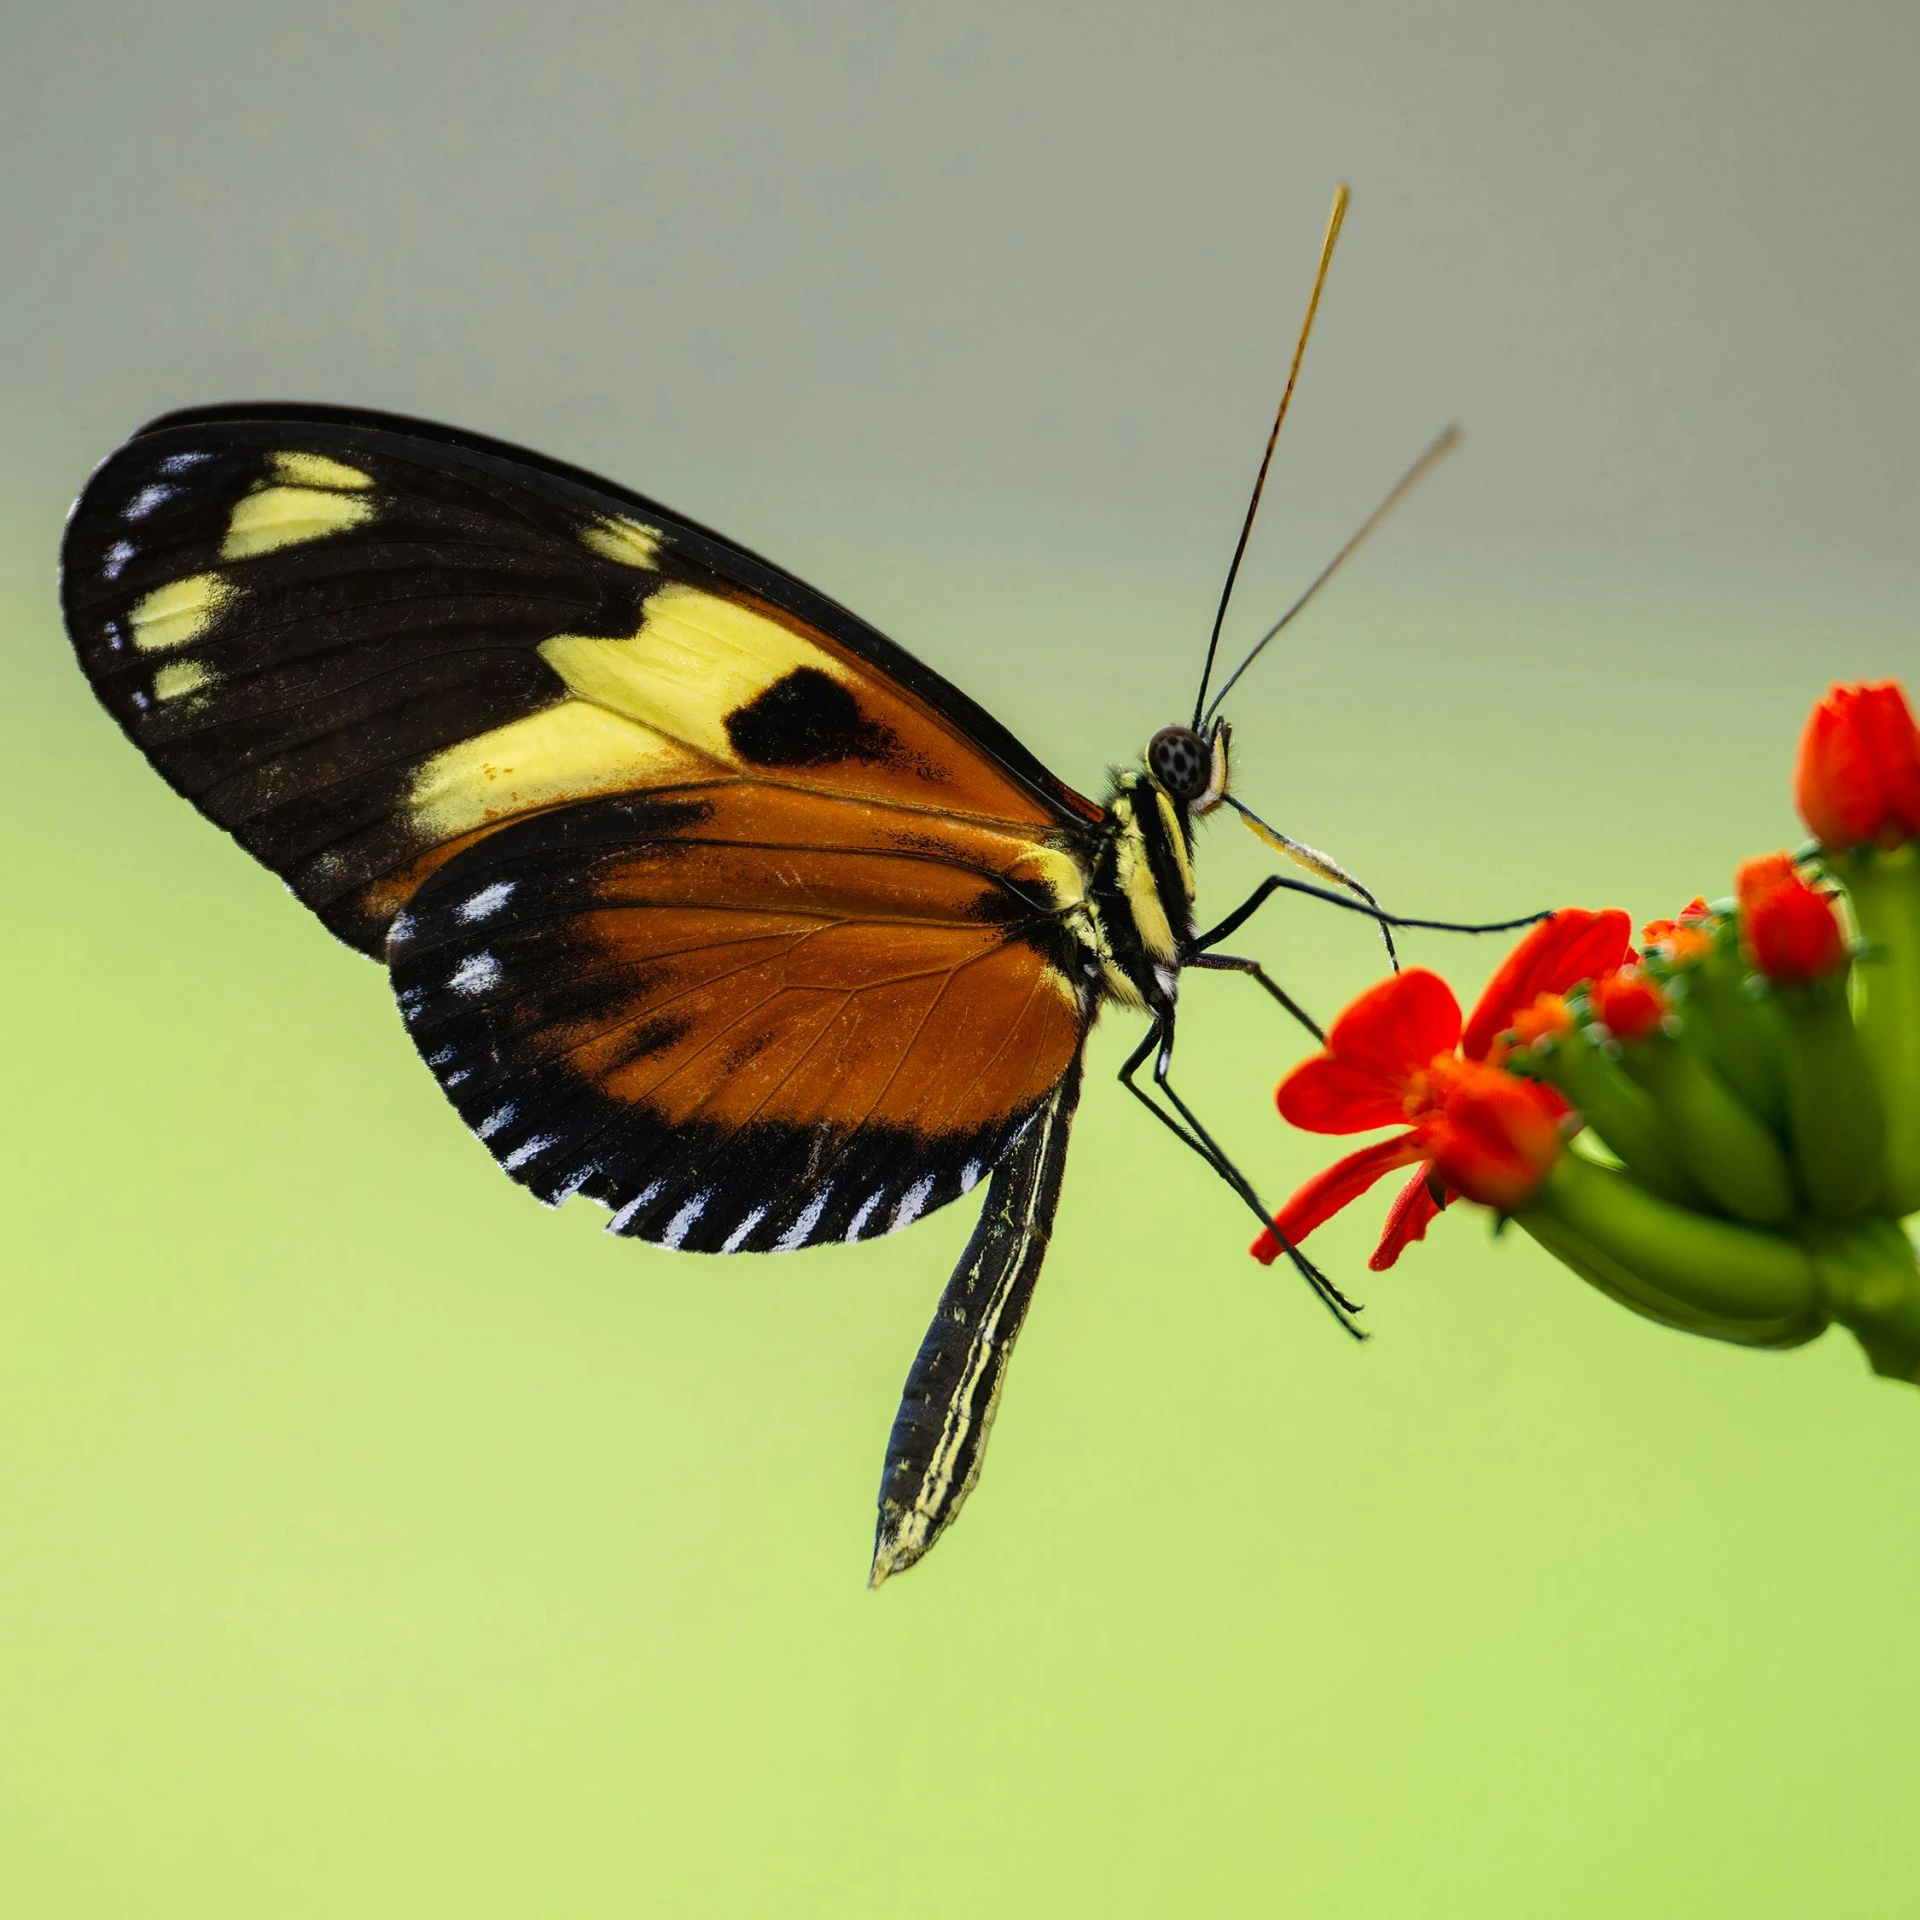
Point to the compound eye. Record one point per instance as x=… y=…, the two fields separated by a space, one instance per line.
x=1178 y=758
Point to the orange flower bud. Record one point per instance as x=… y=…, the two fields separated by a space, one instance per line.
x=1495 y=1138
x=1857 y=779
x=1791 y=929
x=1547 y=1019
x=1628 y=1003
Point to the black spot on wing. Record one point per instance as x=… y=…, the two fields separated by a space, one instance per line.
x=807 y=719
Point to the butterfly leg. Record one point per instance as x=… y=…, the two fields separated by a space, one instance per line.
x=940 y=1433
x=1285 y=883
x=1188 y=1129
x=1238 y=963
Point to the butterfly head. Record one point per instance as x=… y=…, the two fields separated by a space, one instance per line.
x=1189 y=767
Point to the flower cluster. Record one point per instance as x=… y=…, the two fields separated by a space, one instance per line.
x=1719 y=1127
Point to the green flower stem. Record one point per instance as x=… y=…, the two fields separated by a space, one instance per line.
x=1870 y=1281
x=1685 y=1267
x=1885 y=892
x=1725 y=1146
x=1628 y=1289
x=1740 y=1033
x=1833 y=1100
x=1617 y=1109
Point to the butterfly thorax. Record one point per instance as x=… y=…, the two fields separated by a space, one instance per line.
x=1140 y=901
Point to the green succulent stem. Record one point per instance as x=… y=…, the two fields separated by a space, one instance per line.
x=1884 y=888
x=1725 y=1146
x=1870 y=1283
x=1834 y=1106
x=1684 y=1268
x=1619 y=1110
x=1738 y=1027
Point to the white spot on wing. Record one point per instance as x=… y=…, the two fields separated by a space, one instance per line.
x=531 y=1150
x=476 y=906
x=456 y=1076
x=970 y=1176
x=498 y=1118
x=860 y=1219
x=180 y=462
x=114 y=637
x=412 y=1002
x=117 y=557
x=475 y=974
x=144 y=502
x=801 y=1231
x=682 y=1222
x=737 y=1238
x=913 y=1202
x=619 y=1222
x=572 y=1184
x=443 y=1058
x=140 y=700
x=401 y=929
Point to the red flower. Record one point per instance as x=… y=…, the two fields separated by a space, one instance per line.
x=1857 y=780
x=1628 y=1004
x=1685 y=938
x=1401 y=1054
x=1791 y=929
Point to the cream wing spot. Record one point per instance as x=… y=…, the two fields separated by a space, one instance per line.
x=696 y=659
x=629 y=542
x=117 y=557
x=316 y=470
x=568 y=751
x=177 y=613
x=179 y=677
x=270 y=518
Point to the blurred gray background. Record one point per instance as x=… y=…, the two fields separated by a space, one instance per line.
x=1658 y=259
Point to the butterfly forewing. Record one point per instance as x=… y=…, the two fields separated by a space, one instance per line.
x=360 y=644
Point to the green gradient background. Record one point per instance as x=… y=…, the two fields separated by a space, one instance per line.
x=378 y=1544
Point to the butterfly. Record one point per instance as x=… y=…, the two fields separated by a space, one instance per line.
x=699 y=897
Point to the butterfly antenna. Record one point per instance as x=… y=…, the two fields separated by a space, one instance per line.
x=1418 y=471
x=1334 y=221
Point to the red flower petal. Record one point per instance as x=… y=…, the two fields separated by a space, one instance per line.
x=1496 y=1138
x=1857 y=776
x=1790 y=928
x=1628 y=1003
x=1323 y=1095
x=1414 y=1209
x=1334 y=1187
x=1556 y=953
x=1397 y=1026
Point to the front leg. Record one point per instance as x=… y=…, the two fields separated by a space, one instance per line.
x=1188 y=1129
x=1285 y=883
x=1238 y=963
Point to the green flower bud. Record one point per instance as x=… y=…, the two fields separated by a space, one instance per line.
x=1833 y=1099
x=1618 y=1110
x=1723 y=1144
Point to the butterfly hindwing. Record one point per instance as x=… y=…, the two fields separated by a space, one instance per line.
x=361 y=643
x=746 y=1019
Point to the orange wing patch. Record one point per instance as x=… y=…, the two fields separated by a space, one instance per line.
x=687 y=1005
